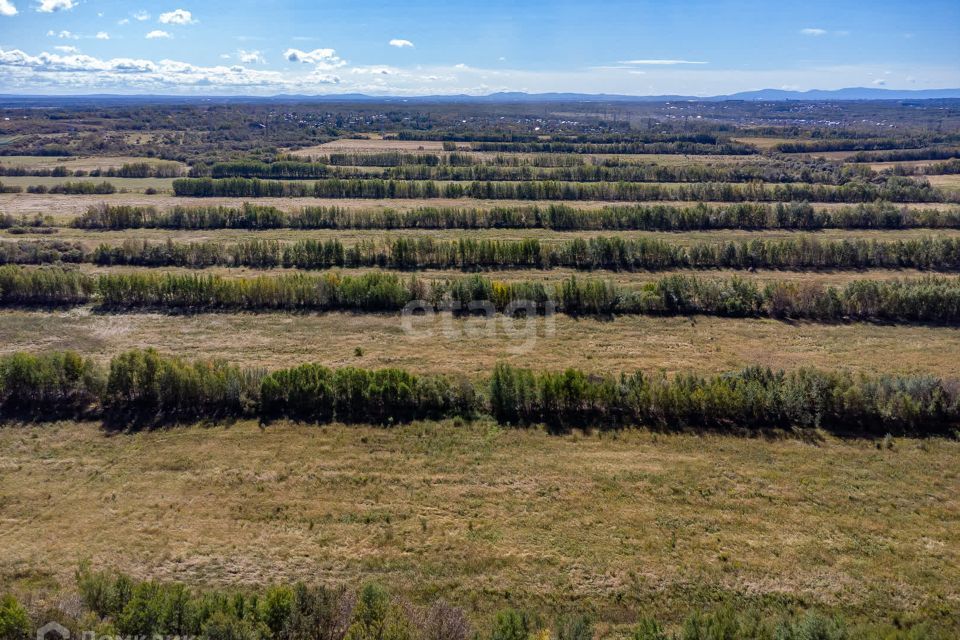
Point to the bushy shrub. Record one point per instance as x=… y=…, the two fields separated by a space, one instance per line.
x=49 y=385
x=144 y=385
x=14 y=621
x=377 y=617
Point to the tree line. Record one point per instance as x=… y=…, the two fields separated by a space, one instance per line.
x=718 y=147
x=925 y=300
x=893 y=188
x=932 y=253
x=612 y=253
x=701 y=136
x=453 y=158
x=620 y=172
x=82 y=187
x=117 y=605
x=126 y=170
x=865 y=143
x=906 y=155
x=143 y=387
x=639 y=217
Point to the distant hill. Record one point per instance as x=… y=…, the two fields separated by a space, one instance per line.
x=771 y=95
x=855 y=93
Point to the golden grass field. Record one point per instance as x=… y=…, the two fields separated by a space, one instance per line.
x=471 y=347
x=613 y=523
x=947 y=182
x=372 y=143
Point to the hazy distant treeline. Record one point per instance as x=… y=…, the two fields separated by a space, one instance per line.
x=906 y=155
x=594 y=172
x=893 y=188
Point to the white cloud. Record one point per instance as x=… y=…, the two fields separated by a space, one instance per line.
x=49 y=6
x=250 y=57
x=7 y=8
x=78 y=70
x=141 y=16
x=400 y=43
x=123 y=21
x=102 y=35
x=67 y=49
x=375 y=70
x=660 y=62
x=879 y=82
x=157 y=34
x=318 y=78
x=811 y=31
x=324 y=59
x=63 y=35
x=177 y=16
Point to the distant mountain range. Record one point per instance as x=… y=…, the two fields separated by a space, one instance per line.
x=762 y=95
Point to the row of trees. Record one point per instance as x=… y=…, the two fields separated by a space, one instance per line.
x=928 y=299
x=75 y=188
x=865 y=144
x=894 y=189
x=658 y=217
x=752 y=399
x=619 y=172
x=143 y=387
x=117 y=605
x=906 y=155
x=469 y=254
x=454 y=159
x=126 y=170
x=141 y=170
x=605 y=137
x=719 y=147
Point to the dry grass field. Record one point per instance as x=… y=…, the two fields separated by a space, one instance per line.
x=372 y=143
x=473 y=347
x=614 y=523
x=947 y=182
x=763 y=143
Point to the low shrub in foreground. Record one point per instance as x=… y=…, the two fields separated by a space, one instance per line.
x=113 y=604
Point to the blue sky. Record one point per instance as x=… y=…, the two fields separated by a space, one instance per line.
x=419 y=47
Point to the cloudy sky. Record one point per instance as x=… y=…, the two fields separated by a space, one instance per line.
x=421 y=47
